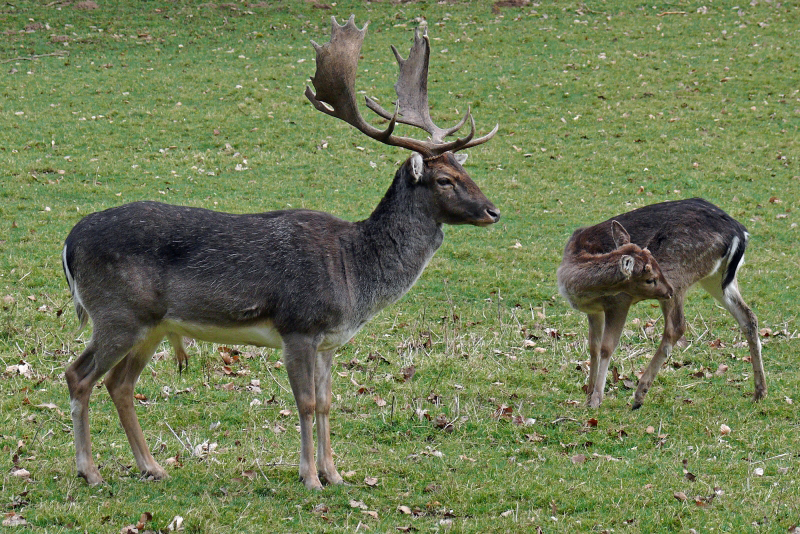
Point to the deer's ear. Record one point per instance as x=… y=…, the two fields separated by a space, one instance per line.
x=461 y=158
x=619 y=234
x=416 y=166
x=626 y=265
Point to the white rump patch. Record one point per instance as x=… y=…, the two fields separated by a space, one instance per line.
x=70 y=279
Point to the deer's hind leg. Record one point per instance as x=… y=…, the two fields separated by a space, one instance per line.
x=120 y=383
x=732 y=300
x=108 y=345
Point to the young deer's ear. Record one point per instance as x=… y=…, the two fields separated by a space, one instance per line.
x=461 y=158
x=416 y=166
x=619 y=234
x=626 y=265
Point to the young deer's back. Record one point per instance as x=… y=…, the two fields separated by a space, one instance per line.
x=690 y=239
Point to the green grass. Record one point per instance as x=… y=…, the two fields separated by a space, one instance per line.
x=602 y=107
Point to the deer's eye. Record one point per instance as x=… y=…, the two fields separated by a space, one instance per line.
x=651 y=281
x=444 y=182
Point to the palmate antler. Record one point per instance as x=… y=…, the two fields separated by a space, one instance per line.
x=337 y=63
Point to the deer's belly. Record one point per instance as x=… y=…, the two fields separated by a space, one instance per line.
x=259 y=334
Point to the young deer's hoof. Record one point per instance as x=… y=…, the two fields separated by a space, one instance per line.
x=155 y=474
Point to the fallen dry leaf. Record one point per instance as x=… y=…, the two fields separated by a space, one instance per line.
x=404 y=510
x=535 y=437
x=357 y=504
x=578 y=459
x=20 y=472
x=724 y=429
x=176 y=524
x=14 y=520
x=681 y=496
x=23 y=368
x=371 y=481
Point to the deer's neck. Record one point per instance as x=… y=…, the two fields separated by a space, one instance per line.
x=588 y=277
x=396 y=243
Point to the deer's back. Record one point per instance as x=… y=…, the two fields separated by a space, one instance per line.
x=688 y=238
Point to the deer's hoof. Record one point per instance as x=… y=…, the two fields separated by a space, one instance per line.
x=332 y=478
x=155 y=474
x=312 y=483
x=92 y=477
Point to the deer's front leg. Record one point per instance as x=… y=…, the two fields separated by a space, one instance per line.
x=299 y=354
x=612 y=330
x=674 y=327
x=322 y=379
x=596 y=322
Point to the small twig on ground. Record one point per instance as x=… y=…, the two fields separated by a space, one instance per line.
x=772 y=458
x=562 y=419
x=671 y=13
x=59 y=53
x=258 y=464
x=179 y=439
x=276 y=381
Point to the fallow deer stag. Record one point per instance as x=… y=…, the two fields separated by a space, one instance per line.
x=655 y=252
x=299 y=280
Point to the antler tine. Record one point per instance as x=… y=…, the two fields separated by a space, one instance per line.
x=412 y=93
x=334 y=81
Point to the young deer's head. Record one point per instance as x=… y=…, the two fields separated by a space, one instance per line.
x=642 y=275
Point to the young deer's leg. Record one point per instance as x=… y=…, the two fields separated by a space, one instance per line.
x=82 y=374
x=120 y=382
x=322 y=379
x=300 y=355
x=596 y=322
x=674 y=328
x=732 y=300
x=612 y=330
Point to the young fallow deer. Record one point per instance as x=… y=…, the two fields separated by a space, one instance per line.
x=655 y=252
x=299 y=280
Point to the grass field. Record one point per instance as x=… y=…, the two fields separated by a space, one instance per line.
x=603 y=107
